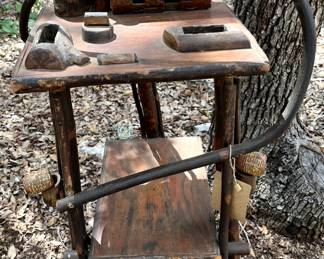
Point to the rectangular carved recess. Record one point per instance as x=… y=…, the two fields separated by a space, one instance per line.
x=203 y=29
x=49 y=33
x=133 y=6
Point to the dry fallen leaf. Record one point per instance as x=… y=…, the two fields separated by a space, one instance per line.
x=12 y=252
x=264 y=230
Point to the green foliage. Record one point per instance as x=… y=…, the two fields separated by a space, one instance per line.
x=9 y=26
x=10 y=11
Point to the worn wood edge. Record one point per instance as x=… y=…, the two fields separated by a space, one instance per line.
x=21 y=84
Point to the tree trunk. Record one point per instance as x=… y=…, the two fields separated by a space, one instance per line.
x=274 y=24
x=290 y=198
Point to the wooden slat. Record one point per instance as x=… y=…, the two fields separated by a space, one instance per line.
x=167 y=217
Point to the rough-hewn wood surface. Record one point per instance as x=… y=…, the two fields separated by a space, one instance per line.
x=71 y=8
x=169 y=217
x=68 y=164
x=225 y=100
x=156 y=62
x=152 y=125
x=53 y=49
x=205 y=38
x=108 y=59
x=96 y=18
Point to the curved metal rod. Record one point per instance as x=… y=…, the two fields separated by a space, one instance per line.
x=309 y=38
x=24 y=18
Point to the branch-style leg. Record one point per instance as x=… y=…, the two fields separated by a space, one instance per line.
x=237 y=133
x=68 y=164
x=148 y=106
x=225 y=100
x=234 y=227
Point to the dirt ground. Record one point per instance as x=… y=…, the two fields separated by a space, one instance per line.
x=30 y=229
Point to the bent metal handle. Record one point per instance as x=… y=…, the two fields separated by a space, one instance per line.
x=309 y=38
x=24 y=18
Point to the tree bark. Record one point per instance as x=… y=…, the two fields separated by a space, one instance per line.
x=290 y=197
x=274 y=24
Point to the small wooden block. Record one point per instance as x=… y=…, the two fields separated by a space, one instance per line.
x=240 y=199
x=96 y=18
x=109 y=59
x=205 y=38
x=97 y=34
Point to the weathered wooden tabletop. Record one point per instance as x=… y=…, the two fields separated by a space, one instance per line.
x=142 y=34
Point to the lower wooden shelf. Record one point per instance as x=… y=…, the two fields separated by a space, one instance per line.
x=169 y=217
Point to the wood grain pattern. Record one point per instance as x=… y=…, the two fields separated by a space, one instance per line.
x=225 y=100
x=169 y=217
x=68 y=164
x=71 y=8
x=152 y=126
x=142 y=34
x=53 y=49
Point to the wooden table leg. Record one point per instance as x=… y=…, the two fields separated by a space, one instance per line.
x=225 y=100
x=234 y=227
x=68 y=164
x=148 y=107
x=237 y=133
